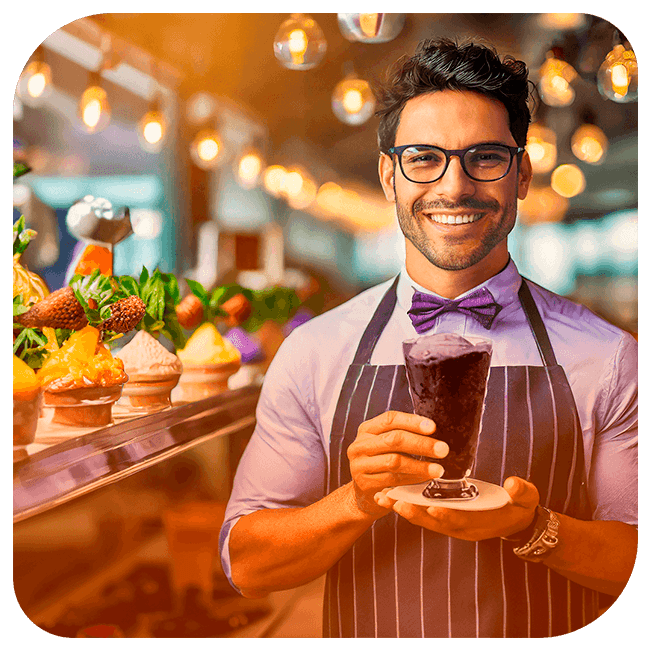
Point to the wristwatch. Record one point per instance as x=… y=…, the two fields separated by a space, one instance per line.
x=541 y=536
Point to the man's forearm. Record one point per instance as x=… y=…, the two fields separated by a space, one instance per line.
x=272 y=550
x=596 y=554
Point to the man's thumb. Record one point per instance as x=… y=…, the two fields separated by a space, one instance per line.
x=522 y=493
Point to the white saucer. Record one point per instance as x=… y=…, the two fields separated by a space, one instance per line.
x=490 y=497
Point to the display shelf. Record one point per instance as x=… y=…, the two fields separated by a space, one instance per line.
x=85 y=460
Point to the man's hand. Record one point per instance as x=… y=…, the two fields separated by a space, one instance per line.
x=473 y=526
x=380 y=456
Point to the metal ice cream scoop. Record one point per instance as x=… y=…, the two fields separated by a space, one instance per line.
x=95 y=219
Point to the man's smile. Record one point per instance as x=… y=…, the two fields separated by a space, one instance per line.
x=454 y=219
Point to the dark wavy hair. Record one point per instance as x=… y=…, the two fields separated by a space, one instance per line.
x=442 y=64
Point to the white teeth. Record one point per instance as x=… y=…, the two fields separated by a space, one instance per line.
x=455 y=219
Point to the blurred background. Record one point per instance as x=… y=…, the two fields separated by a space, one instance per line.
x=245 y=147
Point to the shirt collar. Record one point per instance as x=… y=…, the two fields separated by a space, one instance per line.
x=503 y=286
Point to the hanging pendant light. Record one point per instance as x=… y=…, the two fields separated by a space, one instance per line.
x=352 y=100
x=556 y=76
x=568 y=180
x=618 y=76
x=35 y=82
x=206 y=149
x=152 y=128
x=371 y=28
x=249 y=165
x=589 y=143
x=541 y=146
x=94 y=109
x=300 y=43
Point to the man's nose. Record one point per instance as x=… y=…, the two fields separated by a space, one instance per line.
x=455 y=183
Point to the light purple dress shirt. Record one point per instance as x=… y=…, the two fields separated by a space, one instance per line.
x=286 y=460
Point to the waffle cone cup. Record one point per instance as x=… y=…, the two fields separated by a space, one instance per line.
x=148 y=395
x=199 y=382
x=83 y=407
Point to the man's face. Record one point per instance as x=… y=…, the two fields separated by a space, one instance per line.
x=455 y=120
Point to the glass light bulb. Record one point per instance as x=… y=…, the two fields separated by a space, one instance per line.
x=618 y=76
x=152 y=130
x=293 y=183
x=542 y=148
x=94 y=109
x=555 y=82
x=352 y=101
x=206 y=149
x=305 y=196
x=273 y=179
x=371 y=28
x=589 y=144
x=35 y=82
x=300 y=43
x=568 y=180
x=249 y=168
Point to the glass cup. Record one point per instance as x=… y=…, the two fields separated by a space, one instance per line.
x=192 y=531
x=447 y=376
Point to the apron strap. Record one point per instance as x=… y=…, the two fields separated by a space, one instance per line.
x=536 y=324
x=376 y=325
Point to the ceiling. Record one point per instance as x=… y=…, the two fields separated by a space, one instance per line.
x=231 y=55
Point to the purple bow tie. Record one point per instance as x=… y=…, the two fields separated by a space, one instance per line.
x=425 y=308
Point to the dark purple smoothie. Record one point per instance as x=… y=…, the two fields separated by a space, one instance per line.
x=447 y=378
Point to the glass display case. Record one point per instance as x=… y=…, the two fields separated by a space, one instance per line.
x=107 y=541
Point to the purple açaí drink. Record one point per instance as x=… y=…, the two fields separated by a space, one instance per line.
x=447 y=376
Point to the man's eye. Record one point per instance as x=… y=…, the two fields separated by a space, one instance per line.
x=422 y=158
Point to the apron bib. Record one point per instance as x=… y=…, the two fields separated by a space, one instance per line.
x=401 y=580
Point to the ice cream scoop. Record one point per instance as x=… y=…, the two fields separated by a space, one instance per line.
x=442 y=346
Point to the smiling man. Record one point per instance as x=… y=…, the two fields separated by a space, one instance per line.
x=335 y=424
x=455 y=210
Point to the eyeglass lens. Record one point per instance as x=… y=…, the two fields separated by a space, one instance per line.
x=483 y=163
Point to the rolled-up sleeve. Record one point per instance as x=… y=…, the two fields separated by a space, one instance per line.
x=284 y=464
x=613 y=480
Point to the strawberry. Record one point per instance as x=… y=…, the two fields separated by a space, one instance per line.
x=126 y=313
x=189 y=312
x=60 y=309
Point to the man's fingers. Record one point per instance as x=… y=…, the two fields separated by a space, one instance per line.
x=398 y=441
x=398 y=420
x=398 y=465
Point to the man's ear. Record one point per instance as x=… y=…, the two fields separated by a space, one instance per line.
x=386 y=176
x=525 y=176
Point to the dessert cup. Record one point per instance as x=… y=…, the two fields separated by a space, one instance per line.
x=27 y=407
x=83 y=407
x=198 y=382
x=143 y=395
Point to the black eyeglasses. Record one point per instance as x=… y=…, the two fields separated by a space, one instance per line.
x=424 y=163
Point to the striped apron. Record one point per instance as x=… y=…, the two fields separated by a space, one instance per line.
x=401 y=580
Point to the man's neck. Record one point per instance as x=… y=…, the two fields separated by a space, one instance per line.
x=451 y=284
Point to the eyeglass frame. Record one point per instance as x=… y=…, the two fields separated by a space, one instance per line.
x=514 y=151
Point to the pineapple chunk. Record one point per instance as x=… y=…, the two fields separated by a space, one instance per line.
x=26 y=382
x=207 y=347
x=80 y=347
x=52 y=345
x=80 y=362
